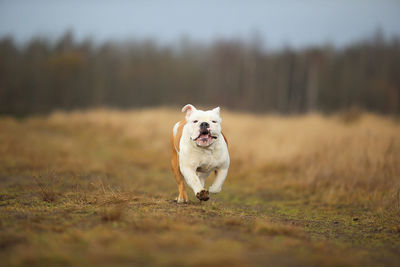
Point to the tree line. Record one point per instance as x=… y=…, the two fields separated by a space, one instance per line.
x=41 y=76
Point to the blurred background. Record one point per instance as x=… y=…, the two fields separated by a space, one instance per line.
x=259 y=56
x=89 y=182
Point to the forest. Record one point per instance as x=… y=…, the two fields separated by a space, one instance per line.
x=65 y=74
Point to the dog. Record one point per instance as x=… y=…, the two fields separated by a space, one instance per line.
x=198 y=148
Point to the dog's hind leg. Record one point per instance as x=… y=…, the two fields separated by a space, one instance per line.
x=182 y=197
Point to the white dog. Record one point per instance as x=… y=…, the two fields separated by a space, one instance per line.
x=198 y=148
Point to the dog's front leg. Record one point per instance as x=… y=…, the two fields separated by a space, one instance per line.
x=220 y=177
x=193 y=181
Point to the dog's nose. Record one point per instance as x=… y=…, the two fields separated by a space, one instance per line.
x=204 y=125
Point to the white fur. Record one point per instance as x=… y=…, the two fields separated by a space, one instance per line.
x=197 y=162
x=175 y=129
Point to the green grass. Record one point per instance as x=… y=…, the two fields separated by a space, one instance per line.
x=78 y=194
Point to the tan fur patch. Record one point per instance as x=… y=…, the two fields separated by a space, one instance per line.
x=177 y=137
x=175 y=140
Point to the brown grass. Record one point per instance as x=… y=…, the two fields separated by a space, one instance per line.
x=294 y=188
x=47 y=186
x=267 y=227
x=111 y=214
x=356 y=160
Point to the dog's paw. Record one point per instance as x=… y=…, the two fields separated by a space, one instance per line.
x=203 y=195
x=180 y=200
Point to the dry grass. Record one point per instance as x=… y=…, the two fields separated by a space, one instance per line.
x=111 y=214
x=295 y=182
x=275 y=229
x=343 y=159
x=46 y=185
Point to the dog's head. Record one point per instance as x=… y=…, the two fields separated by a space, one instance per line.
x=204 y=127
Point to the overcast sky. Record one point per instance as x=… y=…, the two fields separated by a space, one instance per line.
x=298 y=23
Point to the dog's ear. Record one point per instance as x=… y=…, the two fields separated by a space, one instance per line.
x=188 y=109
x=216 y=110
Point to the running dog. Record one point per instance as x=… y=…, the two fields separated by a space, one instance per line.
x=198 y=148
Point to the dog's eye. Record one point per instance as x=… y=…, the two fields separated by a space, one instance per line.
x=214 y=121
x=196 y=121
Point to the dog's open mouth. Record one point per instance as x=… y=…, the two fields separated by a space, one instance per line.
x=205 y=138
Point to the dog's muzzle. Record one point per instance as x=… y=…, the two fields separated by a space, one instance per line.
x=205 y=138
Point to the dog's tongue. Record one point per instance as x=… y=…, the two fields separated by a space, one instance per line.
x=204 y=137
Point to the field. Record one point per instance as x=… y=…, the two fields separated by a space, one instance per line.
x=95 y=188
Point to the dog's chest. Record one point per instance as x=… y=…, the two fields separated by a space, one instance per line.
x=208 y=161
x=203 y=159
